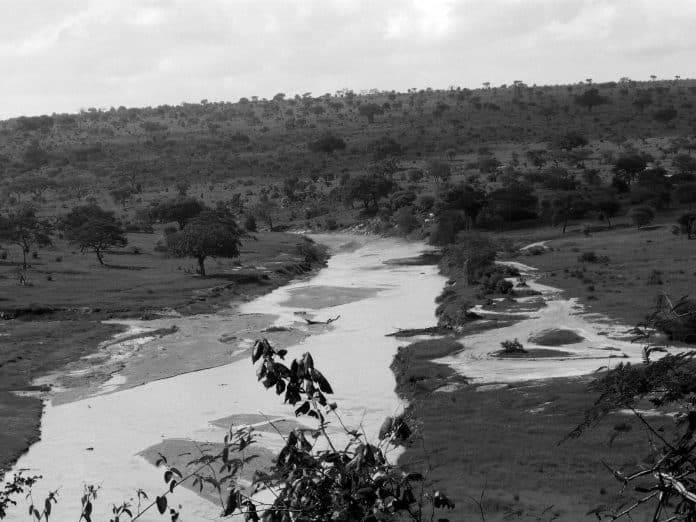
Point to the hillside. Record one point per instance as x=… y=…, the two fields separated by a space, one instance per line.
x=234 y=152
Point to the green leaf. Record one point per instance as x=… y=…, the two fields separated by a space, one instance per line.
x=161 y=504
x=302 y=410
x=172 y=485
x=167 y=476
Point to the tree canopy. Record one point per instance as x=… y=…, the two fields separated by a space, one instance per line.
x=212 y=233
x=180 y=210
x=24 y=229
x=93 y=229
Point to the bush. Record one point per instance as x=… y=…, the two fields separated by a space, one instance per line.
x=405 y=220
x=169 y=229
x=497 y=284
x=588 y=257
x=425 y=202
x=250 y=223
x=642 y=215
x=513 y=346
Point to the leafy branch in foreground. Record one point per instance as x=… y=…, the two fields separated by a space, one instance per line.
x=666 y=478
x=313 y=478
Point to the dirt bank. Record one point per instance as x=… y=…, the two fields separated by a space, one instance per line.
x=56 y=326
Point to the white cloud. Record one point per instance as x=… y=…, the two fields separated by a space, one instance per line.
x=65 y=54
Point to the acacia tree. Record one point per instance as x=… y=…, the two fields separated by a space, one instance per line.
x=642 y=215
x=93 y=229
x=590 y=98
x=569 y=205
x=370 y=110
x=368 y=189
x=608 y=207
x=180 y=210
x=24 y=229
x=629 y=166
x=212 y=233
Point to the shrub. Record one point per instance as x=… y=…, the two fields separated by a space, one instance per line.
x=513 y=346
x=405 y=220
x=588 y=257
x=642 y=215
x=250 y=223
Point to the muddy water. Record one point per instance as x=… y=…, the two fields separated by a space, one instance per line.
x=601 y=342
x=97 y=439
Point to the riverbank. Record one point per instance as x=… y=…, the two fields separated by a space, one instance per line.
x=57 y=326
x=497 y=436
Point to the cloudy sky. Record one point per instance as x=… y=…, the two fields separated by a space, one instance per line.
x=64 y=55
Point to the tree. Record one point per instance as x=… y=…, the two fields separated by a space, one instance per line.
x=264 y=210
x=654 y=187
x=684 y=163
x=385 y=147
x=405 y=219
x=24 y=229
x=212 y=233
x=686 y=194
x=590 y=98
x=512 y=203
x=642 y=215
x=537 y=157
x=569 y=205
x=250 y=223
x=629 y=165
x=570 y=140
x=367 y=189
x=370 y=110
x=180 y=209
x=463 y=198
x=607 y=206
x=121 y=195
x=37 y=185
x=438 y=169
x=93 y=229
x=665 y=115
x=643 y=100
x=328 y=144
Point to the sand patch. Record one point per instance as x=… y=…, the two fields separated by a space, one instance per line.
x=318 y=297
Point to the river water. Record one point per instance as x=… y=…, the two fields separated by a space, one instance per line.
x=96 y=440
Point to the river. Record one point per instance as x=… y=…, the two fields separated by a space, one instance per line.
x=97 y=439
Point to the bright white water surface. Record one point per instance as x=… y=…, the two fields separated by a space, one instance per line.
x=604 y=344
x=353 y=353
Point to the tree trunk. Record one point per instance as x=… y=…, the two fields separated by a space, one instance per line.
x=24 y=258
x=99 y=257
x=201 y=266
